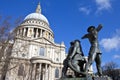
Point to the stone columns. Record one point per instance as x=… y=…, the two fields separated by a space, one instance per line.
x=41 y=33
x=44 y=33
x=34 y=71
x=28 y=33
x=46 y=72
x=49 y=73
x=40 y=67
x=52 y=73
x=23 y=31
x=36 y=33
x=32 y=32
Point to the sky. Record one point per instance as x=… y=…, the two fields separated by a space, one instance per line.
x=69 y=20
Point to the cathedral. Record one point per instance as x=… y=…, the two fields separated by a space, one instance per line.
x=35 y=55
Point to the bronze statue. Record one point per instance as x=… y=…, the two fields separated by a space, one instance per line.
x=94 y=52
x=65 y=62
x=75 y=59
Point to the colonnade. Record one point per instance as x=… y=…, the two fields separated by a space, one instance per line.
x=34 y=32
x=41 y=71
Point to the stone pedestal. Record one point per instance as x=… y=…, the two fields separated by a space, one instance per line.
x=74 y=79
x=83 y=78
x=88 y=78
x=102 y=78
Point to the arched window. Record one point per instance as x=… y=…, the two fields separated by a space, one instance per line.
x=56 y=73
x=21 y=70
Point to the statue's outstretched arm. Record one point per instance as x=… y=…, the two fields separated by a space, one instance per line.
x=99 y=27
x=85 y=36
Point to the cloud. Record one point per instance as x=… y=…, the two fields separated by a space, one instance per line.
x=85 y=10
x=111 y=43
x=116 y=56
x=103 y=5
x=96 y=7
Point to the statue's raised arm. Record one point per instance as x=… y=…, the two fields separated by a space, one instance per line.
x=99 y=27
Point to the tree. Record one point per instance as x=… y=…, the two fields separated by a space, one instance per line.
x=110 y=69
x=5 y=46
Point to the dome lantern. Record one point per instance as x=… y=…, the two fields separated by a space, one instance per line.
x=38 y=9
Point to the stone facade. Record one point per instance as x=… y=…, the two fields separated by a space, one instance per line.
x=35 y=55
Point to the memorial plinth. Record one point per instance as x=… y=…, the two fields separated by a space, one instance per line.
x=88 y=78
x=75 y=79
